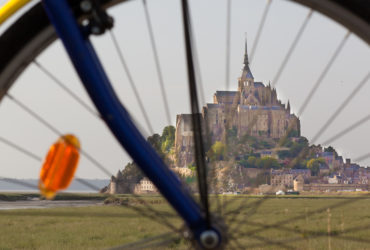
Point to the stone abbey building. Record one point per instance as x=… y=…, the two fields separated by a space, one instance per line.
x=253 y=109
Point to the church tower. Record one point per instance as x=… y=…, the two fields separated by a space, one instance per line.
x=246 y=82
x=246 y=78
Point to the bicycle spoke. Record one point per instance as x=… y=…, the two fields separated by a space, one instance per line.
x=363 y=157
x=341 y=107
x=259 y=31
x=198 y=75
x=154 y=215
x=39 y=159
x=213 y=185
x=196 y=119
x=19 y=182
x=269 y=242
x=95 y=162
x=247 y=226
x=347 y=130
x=87 y=184
x=235 y=242
x=66 y=89
x=71 y=213
x=300 y=217
x=227 y=49
x=131 y=81
x=159 y=239
x=20 y=149
x=157 y=64
x=303 y=152
x=56 y=131
x=323 y=74
x=250 y=124
x=253 y=210
x=34 y=114
x=148 y=212
x=313 y=234
x=291 y=49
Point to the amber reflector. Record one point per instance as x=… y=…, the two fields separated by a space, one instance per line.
x=60 y=165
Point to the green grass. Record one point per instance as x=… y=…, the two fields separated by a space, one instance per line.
x=59 y=196
x=298 y=222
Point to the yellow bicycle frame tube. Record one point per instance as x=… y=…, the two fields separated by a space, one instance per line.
x=10 y=8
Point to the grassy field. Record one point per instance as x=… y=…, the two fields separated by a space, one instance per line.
x=299 y=222
x=60 y=196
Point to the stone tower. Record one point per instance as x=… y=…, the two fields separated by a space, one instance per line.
x=246 y=78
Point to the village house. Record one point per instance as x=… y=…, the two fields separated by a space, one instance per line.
x=281 y=178
x=145 y=186
x=285 y=177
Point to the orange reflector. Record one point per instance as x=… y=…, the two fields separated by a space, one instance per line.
x=60 y=165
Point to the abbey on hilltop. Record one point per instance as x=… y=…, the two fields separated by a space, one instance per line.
x=253 y=109
x=245 y=151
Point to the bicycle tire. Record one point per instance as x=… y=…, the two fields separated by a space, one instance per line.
x=355 y=15
x=32 y=33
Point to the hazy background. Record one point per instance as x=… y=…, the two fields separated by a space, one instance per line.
x=317 y=45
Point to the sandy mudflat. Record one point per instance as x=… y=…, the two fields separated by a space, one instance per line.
x=35 y=203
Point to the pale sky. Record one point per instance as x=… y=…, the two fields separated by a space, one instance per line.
x=314 y=50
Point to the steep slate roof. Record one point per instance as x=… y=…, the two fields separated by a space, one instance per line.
x=258 y=84
x=214 y=105
x=226 y=93
x=246 y=70
x=327 y=154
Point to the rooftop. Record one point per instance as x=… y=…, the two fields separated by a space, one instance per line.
x=226 y=93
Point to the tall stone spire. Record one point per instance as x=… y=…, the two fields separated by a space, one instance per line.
x=246 y=74
x=246 y=60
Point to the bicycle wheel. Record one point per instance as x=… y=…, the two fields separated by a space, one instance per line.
x=23 y=42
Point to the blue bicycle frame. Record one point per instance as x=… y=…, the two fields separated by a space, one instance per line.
x=98 y=86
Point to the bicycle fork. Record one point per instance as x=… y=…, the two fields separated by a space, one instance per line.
x=83 y=56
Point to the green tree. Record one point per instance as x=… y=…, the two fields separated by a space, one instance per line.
x=283 y=154
x=251 y=161
x=156 y=142
x=131 y=175
x=267 y=163
x=217 y=151
x=248 y=162
x=168 y=138
x=314 y=165
x=293 y=133
x=331 y=149
x=298 y=147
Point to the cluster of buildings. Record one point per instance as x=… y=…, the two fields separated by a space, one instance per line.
x=334 y=176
